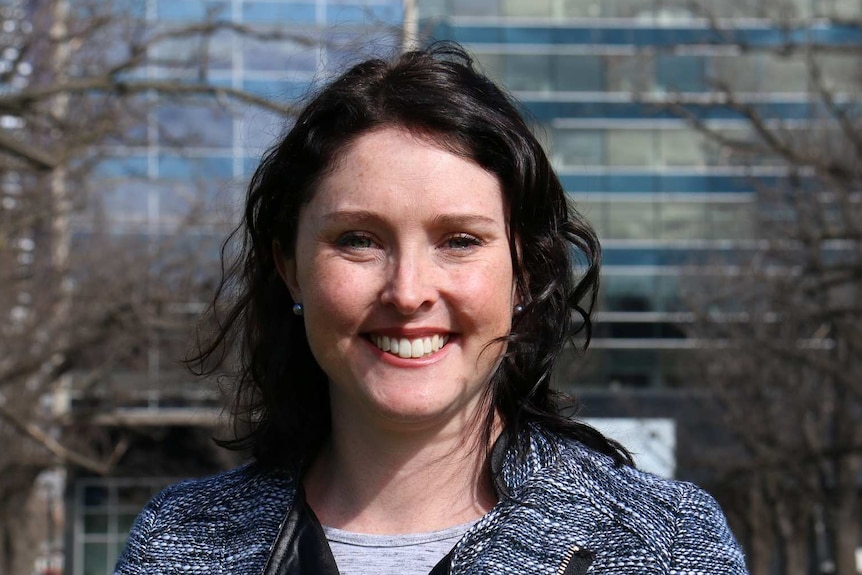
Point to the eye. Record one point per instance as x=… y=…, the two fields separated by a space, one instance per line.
x=463 y=241
x=355 y=241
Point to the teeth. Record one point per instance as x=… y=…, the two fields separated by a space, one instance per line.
x=410 y=348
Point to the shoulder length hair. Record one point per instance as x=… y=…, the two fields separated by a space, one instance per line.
x=279 y=392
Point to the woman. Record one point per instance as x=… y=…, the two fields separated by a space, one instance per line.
x=405 y=287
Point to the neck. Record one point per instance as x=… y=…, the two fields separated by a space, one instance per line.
x=378 y=481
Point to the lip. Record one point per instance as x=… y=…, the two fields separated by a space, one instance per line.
x=409 y=332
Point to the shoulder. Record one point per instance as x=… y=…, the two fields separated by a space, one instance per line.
x=204 y=524
x=680 y=522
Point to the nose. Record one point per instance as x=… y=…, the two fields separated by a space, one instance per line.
x=410 y=283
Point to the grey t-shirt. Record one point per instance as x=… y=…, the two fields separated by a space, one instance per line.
x=362 y=554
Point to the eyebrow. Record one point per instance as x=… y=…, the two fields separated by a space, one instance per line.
x=445 y=220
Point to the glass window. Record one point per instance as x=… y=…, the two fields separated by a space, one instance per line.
x=629 y=292
x=675 y=73
x=271 y=12
x=683 y=147
x=187 y=168
x=631 y=220
x=630 y=367
x=839 y=8
x=122 y=167
x=573 y=73
x=188 y=10
x=631 y=148
x=840 y=72
x=528 y=72
x=631 y=73
x=731 y=221
x=683 y=220
x=281 y=56
x=529 y=8
x=195 y=125
x=174 y=54
x=784 y=75
x=581 y=8
x=579 y=148
x=493 y=66
x=740 y=73
x=640 y=9
x=667 y=296
x=475 y=8
x=371 y=14
x=127 y=200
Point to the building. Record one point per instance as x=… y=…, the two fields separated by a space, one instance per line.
x=597 y=77
x=170 y=186
x=624 y=92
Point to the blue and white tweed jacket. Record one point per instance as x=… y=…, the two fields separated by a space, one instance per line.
x=566 y=510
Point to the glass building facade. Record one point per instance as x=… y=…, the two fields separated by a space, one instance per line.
x=609 y=85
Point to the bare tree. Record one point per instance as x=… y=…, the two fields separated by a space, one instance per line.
x=782 y=322
x=97 y=297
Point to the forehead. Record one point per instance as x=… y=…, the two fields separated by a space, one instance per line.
x=392 y=168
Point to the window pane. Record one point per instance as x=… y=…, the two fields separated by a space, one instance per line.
x=681 y=73
x=731 y=221
x=739 y=73
x=582 y=8
x=578 y=73
x=579 y=148
x=533 y=8
x=784 y=75
x=271 y=12
x=629 y=293
x=201 y=125
x=681 y=148
x=492 y=65
x=279 y=56
x=475 y=8
x=630 y=73
x=631 y=220
x=683 y=220
x=530 y=72
x=631 y=148
x=96 y=559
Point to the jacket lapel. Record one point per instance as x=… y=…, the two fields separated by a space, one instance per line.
x=300 y=547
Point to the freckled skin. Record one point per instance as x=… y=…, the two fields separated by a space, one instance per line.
x=404 y=235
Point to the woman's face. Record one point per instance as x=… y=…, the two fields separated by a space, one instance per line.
x=403 y=267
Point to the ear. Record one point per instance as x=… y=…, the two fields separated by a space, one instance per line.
x=286 y=267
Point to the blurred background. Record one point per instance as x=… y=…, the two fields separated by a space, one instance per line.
x=715 y=145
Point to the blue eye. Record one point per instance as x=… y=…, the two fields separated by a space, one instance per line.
x=355 y=241
x=463 y=241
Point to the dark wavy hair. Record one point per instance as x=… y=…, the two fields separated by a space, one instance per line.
x=280 y=394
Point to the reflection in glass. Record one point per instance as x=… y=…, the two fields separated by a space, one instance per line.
x=578 y=148
x=631 y=148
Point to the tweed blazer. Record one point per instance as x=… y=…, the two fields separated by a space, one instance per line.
x=565 y=499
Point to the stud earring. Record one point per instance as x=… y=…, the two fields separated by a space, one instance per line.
x=519 y=309
x=297 y=309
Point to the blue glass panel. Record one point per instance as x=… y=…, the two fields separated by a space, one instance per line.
x=185 y=168
x=281 y=90
x=195 y=125
x=536 y=35
x=680 y=73
x=185 y=10
x=274 y=12
x=125 y=167
x=373 y=14
x=474 y=34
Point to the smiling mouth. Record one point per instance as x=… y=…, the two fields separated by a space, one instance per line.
x=409 y=348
